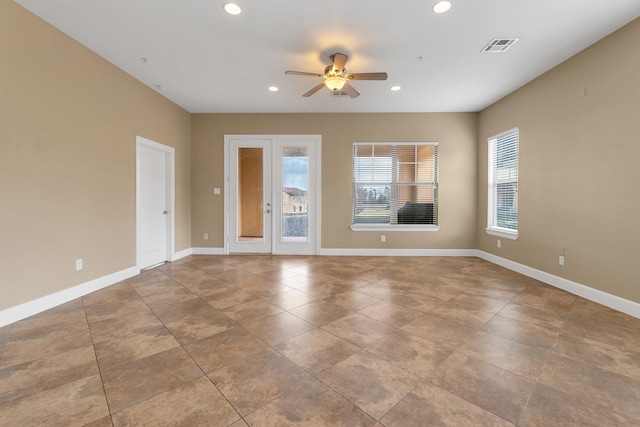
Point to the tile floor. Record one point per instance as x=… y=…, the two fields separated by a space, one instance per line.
x=336 y=341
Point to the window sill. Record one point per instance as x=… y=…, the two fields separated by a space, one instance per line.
x=512 y=235
x=394 y=227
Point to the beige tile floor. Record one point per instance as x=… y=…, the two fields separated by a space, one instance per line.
x=336 y=341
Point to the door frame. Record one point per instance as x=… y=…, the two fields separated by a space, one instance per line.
x=169 y=153
x=314 y=201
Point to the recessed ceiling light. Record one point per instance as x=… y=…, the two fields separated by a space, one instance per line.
x=273 y=88
x=232 y=9
x=396 y=88
x=442 y=6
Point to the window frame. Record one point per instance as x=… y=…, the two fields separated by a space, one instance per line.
x=492 y=208
x=394 y=167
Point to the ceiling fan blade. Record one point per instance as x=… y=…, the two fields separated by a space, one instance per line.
x=314 y=90
x=303 y=73
x=367 y=76
x=350 y=90
x=339 y=61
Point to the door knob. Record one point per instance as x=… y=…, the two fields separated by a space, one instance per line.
x=165 y=212
x=268 y=210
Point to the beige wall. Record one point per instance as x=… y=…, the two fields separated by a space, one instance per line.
x=579 y=167
x=456 y=133
x=68 y=121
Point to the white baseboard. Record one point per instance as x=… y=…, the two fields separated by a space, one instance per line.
x=38 y=305
x=612 y=301
x=207 y=251
x=399 y=252
x=181 y=254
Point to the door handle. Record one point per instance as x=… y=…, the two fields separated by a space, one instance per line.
x=268 y=210
x=165 y=212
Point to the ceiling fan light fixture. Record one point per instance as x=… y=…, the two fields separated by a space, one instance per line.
x=442 y=6
x=335 y=78
x=232 y=9
x=335 y=83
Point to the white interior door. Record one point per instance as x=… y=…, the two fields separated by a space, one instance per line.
x=152 y=202
x=273 y=200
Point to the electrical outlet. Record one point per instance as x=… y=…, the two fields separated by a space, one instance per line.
x=561 y=260
x=206 y=236
x=79 y=264
x=499 y=243
x=383 y=238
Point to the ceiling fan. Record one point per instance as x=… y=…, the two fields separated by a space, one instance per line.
x=336 y=77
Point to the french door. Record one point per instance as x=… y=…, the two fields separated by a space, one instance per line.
x=272 y=194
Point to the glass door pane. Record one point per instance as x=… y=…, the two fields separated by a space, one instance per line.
x=295 y=195
x=250 y=195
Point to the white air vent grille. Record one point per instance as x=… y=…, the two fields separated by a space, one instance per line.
x=499 y=45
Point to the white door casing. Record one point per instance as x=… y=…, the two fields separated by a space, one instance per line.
x=154 y=203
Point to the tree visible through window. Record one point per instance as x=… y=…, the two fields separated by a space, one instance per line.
x=395 y=184
x=502 y=213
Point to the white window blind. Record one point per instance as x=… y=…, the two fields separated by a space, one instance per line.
x=395 y=184
x=503 y=156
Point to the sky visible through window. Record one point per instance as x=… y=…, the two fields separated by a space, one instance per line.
x=295 y=172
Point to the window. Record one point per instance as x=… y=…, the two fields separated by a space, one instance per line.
x=502 y=212
x=395 y=186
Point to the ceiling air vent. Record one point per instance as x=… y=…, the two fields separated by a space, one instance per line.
x=338 y=93
x=499 y=45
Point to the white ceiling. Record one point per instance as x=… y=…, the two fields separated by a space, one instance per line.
x=209 y=61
